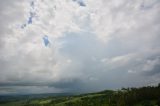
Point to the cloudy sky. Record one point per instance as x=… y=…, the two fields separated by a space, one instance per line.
x=78 y=45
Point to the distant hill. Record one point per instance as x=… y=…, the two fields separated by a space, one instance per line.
x=144 y=96
x=18 y=97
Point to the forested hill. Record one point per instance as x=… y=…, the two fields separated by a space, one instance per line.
x=144 y=96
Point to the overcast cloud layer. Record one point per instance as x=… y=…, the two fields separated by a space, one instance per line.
x=78 y=45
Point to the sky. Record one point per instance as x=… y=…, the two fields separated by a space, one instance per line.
x=56 y=46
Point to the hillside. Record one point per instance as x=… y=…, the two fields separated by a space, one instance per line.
x=144 y=96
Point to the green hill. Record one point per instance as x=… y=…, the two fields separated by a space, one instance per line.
x=144 y=96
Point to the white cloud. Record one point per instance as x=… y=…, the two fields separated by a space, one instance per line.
x=89 y=44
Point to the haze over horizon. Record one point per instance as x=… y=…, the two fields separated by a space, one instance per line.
x=54 y=46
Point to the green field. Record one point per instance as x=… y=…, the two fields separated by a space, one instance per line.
x=144 y=96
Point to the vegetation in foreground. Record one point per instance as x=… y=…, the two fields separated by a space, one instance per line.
x=144 y=96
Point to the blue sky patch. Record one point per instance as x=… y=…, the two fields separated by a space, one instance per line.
x=30 y=20
x=46 y=41
x=80 y=2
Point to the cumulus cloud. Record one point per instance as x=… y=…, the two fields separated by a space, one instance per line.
x=92 y=45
